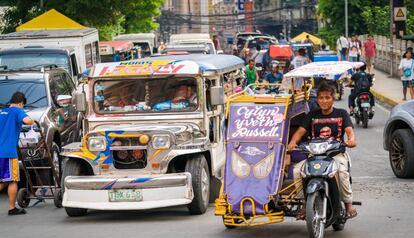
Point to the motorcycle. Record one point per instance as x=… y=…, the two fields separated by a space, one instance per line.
x=363 y=111
x=323 y=204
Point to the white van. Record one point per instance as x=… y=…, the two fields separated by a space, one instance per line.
x=146 y=41
x=84 y=42
x=193 y=38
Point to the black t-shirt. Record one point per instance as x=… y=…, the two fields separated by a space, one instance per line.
x=327 y=126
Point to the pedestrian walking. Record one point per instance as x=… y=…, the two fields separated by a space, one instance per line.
x=369 y=52
x=342 y=45
x=11 y=120
x=360 y=47
x=406 y=68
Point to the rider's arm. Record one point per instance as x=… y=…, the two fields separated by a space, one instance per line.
x=350 y=135
x=297 y=136
x=349 y=131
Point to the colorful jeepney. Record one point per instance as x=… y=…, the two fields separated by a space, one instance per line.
x=153 y=134
x=258 y=186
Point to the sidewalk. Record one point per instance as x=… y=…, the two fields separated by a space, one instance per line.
x=387 y=90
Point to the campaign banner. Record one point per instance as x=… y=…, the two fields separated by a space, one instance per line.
x=251 y=122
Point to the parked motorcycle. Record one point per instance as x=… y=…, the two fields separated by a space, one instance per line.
x=323 y=203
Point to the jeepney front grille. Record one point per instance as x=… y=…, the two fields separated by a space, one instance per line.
x=130 y=159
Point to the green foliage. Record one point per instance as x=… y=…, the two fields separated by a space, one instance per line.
x=333 y=15
x=111 y=17
x=377 y=20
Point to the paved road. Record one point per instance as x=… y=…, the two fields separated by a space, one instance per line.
x=388 y=205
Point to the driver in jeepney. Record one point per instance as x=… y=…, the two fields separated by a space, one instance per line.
x=184 y=96
x=328 y=122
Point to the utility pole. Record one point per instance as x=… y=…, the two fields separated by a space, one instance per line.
x=391 y=36
x=346 y=19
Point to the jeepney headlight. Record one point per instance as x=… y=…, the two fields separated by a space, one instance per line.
x=97 y=143
x=239 y=166
x=263 y=168
x=161 y=142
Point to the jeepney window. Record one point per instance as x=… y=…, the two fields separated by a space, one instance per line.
x=95 y=52
x=145 y=95
x=88 y=55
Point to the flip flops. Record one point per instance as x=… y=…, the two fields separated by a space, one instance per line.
x=353 y=213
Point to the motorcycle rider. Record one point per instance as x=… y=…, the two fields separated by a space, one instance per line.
x=274 y=76
x=328 y=122
x=362 y=83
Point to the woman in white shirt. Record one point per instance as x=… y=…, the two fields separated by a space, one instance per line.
x=407 y=74
x=354 y=50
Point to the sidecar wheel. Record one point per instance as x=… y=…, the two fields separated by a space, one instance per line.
x=314 y=211
x=200 y=176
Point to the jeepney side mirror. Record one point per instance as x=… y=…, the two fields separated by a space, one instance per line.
x=64 y=100
x=80 y=101
x=217 y=95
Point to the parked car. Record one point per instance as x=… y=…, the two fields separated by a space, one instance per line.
x=47 y=92
x=399 y=139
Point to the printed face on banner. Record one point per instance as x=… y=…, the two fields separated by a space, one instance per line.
x=256 y=122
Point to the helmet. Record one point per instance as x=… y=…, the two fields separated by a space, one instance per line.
x=274 y=64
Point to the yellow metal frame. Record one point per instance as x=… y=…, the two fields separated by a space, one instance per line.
x=222 y=206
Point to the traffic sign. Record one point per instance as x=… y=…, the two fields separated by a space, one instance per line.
x=400 y=13
x=240 y=5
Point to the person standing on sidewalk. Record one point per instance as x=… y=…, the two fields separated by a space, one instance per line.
x=369 y=52
x=360 y=47
x=11 y=120
x=406 y=68
x=342 y=45
x=354 y=50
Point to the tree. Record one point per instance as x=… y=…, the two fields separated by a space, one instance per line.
x=332 y=13
x=109 y=16
x=377 y=19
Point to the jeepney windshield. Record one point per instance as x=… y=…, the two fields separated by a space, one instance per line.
x=145 y=95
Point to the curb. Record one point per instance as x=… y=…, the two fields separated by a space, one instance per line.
x=384 y=99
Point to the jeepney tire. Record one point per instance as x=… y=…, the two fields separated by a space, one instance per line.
x=23 y=197
x=57 y=198
x=200 y=176
x=72 y=168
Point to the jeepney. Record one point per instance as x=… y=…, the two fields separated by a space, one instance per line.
x=153 y=134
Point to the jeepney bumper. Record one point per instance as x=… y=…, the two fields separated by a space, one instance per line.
x=128 y=192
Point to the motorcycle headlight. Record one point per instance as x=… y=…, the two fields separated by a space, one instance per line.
x=318 y=148
x=97 y=143
x=161 y=142
x=239 y=166
x=263 y=168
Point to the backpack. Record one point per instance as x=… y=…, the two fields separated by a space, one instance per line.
x=363 y=82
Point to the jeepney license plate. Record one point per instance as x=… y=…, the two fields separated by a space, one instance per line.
x=365 y=104
x=125 y=195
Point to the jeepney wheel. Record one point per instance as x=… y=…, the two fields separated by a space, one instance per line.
x=23 y=197
x=200 y=175
x=72 y=168
x=57 y=197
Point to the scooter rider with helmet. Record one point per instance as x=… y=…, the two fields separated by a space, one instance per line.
x=362 y=83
